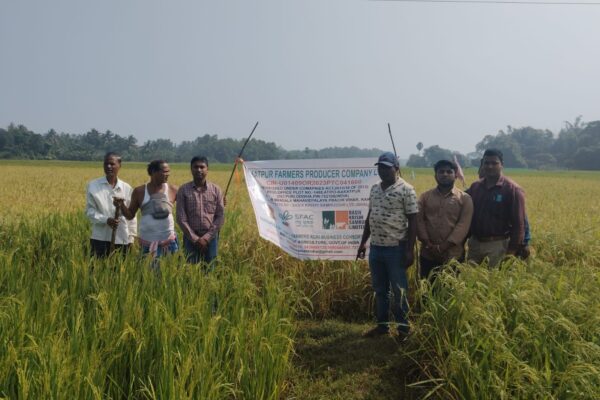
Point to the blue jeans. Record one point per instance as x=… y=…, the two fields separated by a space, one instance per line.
x=195 y=256
x=388 y=269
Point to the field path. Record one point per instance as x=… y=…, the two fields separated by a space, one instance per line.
x=334 y=361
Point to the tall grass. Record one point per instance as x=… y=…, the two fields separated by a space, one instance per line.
x=526 y=330
x=75 y=328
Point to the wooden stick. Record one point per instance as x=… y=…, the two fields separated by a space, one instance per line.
x=392 y=139
x=394 y=147
x=239 y=156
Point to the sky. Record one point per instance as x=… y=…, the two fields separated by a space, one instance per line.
x=314 y=73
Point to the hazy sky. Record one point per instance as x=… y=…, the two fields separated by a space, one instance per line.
x=314 y=73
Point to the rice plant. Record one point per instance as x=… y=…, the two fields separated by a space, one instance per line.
x=72 y=327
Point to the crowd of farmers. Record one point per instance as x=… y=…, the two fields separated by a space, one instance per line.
x=489 y=216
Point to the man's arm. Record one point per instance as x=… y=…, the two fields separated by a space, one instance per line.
x=182 y=218
x=517 y=219
x=218 y=219
x=411 y=238
x=134 y=203
x=132 y=229
x=362 y=248
x=173 y=189
x=422 y=233
x=132 y=223
x=411 y=208
x=91 y=209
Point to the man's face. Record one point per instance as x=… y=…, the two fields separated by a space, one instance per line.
x=199 y=170
x=491 y=167
x=162 y=175
x=445 y=176
x=387 y=174
x=111 y=167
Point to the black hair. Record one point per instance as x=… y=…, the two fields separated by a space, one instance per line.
x=494 y=153
x=445 y=163
x=154 y=166
x=113 y=155
x=199 y=158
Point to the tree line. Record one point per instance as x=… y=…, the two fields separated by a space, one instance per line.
x=18 y=142
x=577 y=146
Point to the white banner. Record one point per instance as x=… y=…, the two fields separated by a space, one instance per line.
x=312 y=209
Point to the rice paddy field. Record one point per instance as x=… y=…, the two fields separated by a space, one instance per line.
x=266 y=326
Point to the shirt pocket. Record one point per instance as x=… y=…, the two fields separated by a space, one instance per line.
x=190 y=198
x=210 y=204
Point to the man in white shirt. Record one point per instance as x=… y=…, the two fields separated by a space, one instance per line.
x=100 y=210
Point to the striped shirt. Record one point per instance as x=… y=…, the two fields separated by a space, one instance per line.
x=388 y=212
x=200 y=210
x=498 y=211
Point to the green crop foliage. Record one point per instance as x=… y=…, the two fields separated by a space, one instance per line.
x=71 y=327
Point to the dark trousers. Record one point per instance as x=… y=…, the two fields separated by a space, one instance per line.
x=101 y=249
x=430 y=269
x=195 y=256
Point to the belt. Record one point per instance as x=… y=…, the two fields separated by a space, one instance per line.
x=490 y=238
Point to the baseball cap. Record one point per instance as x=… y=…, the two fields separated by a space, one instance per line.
x=388 y=159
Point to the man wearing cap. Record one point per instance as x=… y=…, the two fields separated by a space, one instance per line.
x=498 y=224
x=444 y=220
x=391 y=225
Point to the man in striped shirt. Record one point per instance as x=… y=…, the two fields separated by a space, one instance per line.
x=200 y=214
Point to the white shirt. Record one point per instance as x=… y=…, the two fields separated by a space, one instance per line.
x=99 y=207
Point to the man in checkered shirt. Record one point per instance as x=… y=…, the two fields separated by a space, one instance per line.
x=391 y=225
x=200 y=214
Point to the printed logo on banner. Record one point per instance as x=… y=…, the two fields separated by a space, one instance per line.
x=336 y=219
x=304 y=219
x=328 y=219
x=285 y=217
x=341 y=220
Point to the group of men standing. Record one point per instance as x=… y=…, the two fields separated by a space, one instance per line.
x=490 y=214
x=112 y=205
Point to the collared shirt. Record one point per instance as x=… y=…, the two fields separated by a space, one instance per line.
x=498 y=211
x=389 y=209
x=99 y=208
x=444 y=218
x=200 y=210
